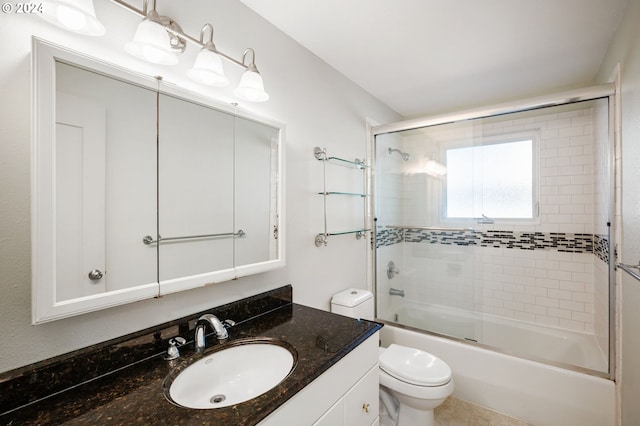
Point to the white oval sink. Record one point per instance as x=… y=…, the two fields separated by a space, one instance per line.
x=231 y=376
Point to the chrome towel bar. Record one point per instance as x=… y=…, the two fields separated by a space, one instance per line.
x=149 y=239
x=321 y=239
x=629 y=269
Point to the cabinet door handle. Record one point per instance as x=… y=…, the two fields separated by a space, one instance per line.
x=365 y=407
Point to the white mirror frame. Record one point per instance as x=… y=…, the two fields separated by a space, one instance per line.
x=45 y=306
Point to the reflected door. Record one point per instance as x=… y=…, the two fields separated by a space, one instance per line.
x=114 y=165
x=80 y=197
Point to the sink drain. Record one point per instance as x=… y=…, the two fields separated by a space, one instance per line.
x=217 y=399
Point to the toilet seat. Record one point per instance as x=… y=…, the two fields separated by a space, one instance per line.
x=398 y=387
x=414 y=366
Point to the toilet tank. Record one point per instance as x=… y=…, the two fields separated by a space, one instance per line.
x=353 y=302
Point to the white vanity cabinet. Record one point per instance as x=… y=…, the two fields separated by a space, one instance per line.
x=359 y=407
x=346 y=394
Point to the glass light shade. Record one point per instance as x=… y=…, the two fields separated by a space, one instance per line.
x=251 y=88
x=78 y=16
x=207 y=69
x=151 y=43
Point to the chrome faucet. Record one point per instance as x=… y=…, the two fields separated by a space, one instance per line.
x=396 y=292
x=215 y=324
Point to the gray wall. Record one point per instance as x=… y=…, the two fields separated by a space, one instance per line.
x=319 y=107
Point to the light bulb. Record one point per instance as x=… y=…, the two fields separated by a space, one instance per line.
x=151 y=43
x=71 y=18
x=207 y=69
x=78 y=16
x=250 y=87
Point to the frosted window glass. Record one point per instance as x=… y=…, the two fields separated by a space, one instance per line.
x=493 y=180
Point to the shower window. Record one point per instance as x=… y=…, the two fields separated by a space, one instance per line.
x=481 y=184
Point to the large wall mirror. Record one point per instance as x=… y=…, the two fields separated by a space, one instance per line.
x=141 y=189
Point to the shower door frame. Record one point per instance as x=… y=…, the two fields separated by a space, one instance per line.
x=563 y=98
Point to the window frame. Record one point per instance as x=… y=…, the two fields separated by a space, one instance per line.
x=495 y=139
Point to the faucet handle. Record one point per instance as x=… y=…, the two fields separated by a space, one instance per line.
x=177 y=341
x=174 y=344
x=392 y=271
x=228 y=323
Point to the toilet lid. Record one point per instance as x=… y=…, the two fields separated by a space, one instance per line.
x=414 y=366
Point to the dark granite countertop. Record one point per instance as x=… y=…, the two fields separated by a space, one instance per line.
x=129 y=390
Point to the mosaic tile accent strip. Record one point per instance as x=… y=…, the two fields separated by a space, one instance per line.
x=389 y=236
x=601 y=247
x=556 y=241
x=459 y=238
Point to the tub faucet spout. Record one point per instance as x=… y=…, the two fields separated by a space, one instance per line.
x=215 y=324
x=396 y=292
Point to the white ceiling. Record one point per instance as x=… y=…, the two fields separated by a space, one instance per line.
x=429 y=56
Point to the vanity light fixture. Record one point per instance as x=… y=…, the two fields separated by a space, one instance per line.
x=159 y=39
x=207 y=69
x=155 y=39
x=152 y=45
x=251 y=87
x=78 y=16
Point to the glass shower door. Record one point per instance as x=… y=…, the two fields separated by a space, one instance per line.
x=432 y=287
x=498 y=230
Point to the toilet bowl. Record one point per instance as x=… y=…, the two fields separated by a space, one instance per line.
x=412 y=382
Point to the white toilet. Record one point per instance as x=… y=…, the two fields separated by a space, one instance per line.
x=412 y=382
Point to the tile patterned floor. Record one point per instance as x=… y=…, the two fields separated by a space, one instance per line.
x=456 y=412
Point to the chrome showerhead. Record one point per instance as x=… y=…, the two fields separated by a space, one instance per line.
x=405 y=156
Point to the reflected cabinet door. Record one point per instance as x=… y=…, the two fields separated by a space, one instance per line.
x=256 y=195
x=196 y=228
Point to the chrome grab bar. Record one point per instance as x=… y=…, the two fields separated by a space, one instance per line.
x=148 y=239
x=629 y=269
x=429 y=228
x=484 y=220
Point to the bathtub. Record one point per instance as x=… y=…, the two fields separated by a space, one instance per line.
x=542 y=394
x=561 y=347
